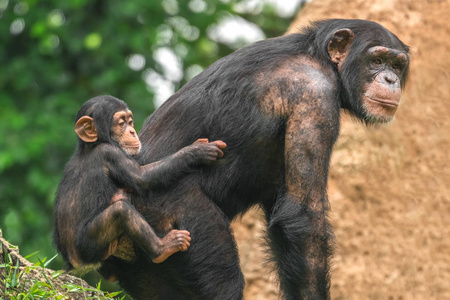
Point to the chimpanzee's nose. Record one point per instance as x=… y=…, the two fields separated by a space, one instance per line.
x=391 y=79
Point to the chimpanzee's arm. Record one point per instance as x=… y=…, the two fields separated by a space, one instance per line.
x=299 y=220
x=128 y=172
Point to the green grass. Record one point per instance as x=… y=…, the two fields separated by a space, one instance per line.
x=22 y=283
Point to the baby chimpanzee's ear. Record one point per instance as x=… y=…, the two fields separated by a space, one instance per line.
x=86 y=130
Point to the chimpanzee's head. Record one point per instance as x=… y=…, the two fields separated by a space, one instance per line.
x=373 y=65
x=106 y=119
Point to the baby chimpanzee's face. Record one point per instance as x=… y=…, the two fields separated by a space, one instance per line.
x=123 y=132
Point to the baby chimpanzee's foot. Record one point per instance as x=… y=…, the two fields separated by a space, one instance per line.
x=174 y=241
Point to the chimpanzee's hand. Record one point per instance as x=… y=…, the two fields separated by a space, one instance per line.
x=205 y=152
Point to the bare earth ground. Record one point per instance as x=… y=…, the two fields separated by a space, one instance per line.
x=389 y=187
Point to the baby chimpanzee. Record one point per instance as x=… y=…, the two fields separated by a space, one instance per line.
x=92 y=210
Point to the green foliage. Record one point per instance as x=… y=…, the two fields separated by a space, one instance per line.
x=55 y=55
x=17 y=283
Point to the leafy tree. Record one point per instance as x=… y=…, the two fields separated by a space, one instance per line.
x=55 y=55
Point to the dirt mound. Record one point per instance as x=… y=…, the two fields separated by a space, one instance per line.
x=389 y=187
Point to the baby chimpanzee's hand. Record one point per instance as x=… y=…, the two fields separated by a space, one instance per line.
x=206 y=152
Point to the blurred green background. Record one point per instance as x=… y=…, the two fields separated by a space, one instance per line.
x=55 y=55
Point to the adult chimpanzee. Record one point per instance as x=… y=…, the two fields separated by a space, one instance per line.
x=92 y=212
x=277 y=104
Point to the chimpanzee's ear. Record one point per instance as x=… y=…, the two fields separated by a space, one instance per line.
x=338 y=45
x=86 y=130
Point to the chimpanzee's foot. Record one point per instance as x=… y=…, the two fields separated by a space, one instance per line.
x=173 y=242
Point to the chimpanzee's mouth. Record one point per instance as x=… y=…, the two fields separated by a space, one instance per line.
x=385 y=102
x=134 y=146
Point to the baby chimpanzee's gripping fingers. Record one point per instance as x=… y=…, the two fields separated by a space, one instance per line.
x=201 y=141
x=221 y=145
x=205 y=152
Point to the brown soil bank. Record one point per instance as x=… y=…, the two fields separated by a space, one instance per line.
x=389 y=187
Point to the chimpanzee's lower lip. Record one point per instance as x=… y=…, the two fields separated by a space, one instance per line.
x=133 y=146
x=384 y=102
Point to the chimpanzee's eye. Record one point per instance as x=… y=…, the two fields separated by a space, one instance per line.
x=396 y=66
x=377 y=61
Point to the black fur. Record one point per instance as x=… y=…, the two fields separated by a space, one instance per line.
x=87 y=220
x=84 y=190
x=266 y=161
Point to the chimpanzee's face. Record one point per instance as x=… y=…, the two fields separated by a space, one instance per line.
x=373 y=68
x=123 y=132
x=383 y=88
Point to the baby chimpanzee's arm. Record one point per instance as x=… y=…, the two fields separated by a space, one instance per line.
x=127 y=172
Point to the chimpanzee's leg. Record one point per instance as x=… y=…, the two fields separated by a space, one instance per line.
x=98 y=238
x=301 y=240
x=210 y=268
